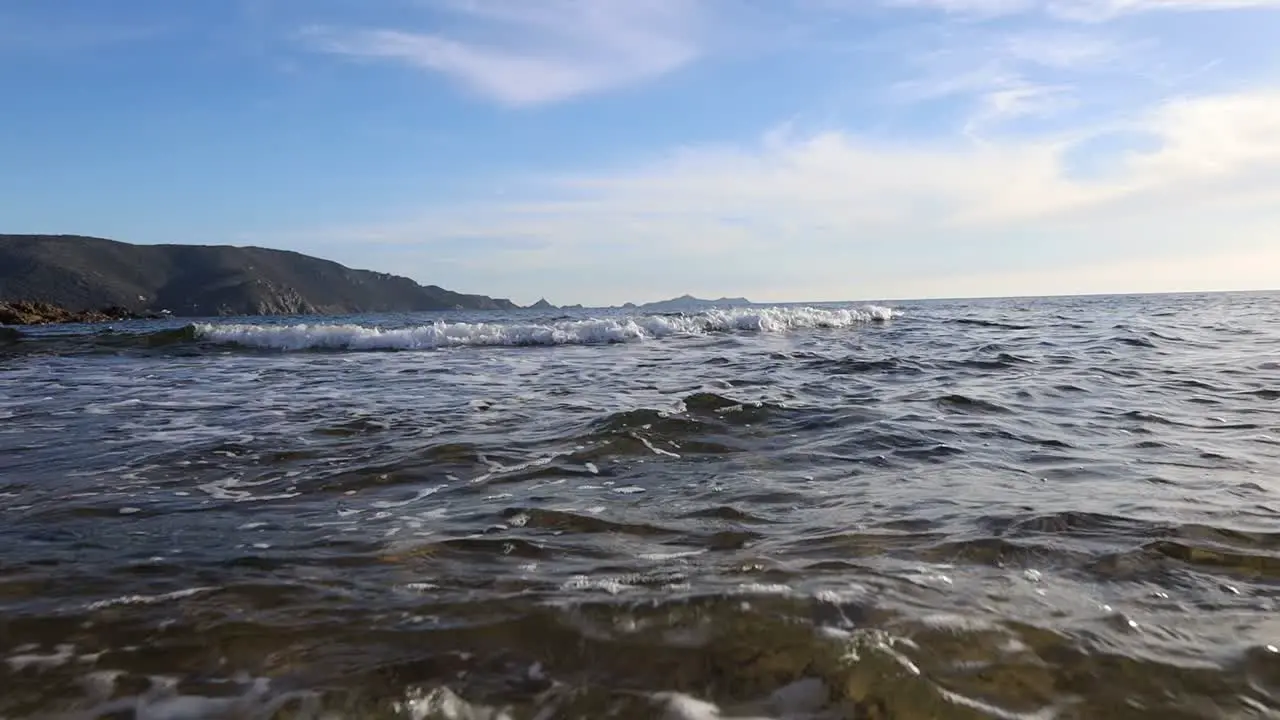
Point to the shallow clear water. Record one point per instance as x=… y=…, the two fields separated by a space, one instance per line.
x=1007 y=508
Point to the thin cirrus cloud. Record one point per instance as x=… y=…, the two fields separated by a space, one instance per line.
x=1062 y=50
x=1097 y=10
x=1027 y=74
x=523 y=54
x=1081 y=10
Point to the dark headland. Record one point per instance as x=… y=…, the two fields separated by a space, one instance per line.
x=92 y=279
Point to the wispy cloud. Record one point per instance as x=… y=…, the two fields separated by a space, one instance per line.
x=1017 y=101
x=968 y=7
x=1099 y=10
x=1082 y=10
x=1061 y=50
x=1039 y=143
x=997 y=76
x=523 y=53
x=834 y=195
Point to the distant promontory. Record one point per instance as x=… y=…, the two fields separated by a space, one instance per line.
x=80 y=274
x=689 y=302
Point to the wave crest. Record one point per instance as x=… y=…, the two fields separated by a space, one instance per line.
x=567 y=332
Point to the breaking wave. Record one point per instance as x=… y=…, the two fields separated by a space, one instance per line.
x=565 y=332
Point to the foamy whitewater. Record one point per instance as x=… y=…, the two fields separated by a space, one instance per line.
x=1037 y=508
x=443 y=334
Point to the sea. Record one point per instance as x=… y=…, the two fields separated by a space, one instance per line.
x=1031 y=508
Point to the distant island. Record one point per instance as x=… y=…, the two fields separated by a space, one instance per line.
x=689 y=302
x=684 y=303
x=83 y=275
x=545 y=306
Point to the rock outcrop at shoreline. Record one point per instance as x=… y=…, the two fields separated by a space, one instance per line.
x=40 y=313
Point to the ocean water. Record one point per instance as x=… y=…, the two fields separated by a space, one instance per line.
x=1032 y=508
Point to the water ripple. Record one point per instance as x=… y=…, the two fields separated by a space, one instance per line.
x=1023 y=508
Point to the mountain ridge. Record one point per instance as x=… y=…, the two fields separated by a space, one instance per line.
x=80 y=273
x=688 y=302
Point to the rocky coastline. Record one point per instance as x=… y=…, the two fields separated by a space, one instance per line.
x=26 y=312
x=115 y=278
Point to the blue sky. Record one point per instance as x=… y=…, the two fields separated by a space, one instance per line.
x=600 y=151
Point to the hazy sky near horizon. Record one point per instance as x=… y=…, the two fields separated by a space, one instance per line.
x=600 y=151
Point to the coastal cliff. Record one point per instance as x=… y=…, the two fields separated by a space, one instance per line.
x=80 y=273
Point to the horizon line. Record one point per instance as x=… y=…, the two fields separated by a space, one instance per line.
x=883 y=299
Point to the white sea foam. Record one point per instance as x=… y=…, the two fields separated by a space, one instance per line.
x=444 y=704
x=807 y=698
x=611 y=585
x=230 y=489
x=61 y=655
x=425 y=492
x=567 y=332
x=804 y=699
x=163 y=701
x=148 y=599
